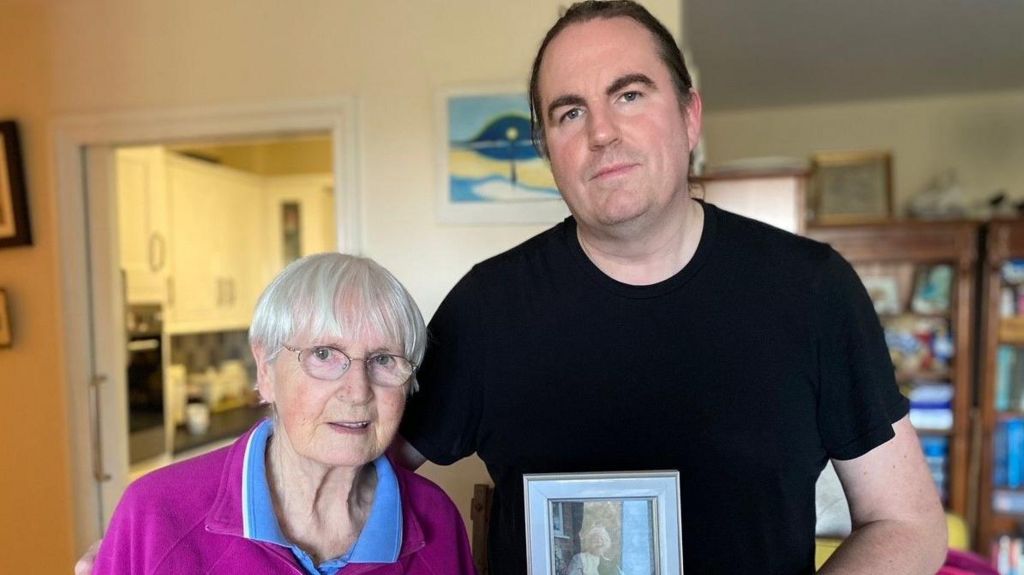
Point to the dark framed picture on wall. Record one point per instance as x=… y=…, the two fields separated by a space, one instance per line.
x=14 y=228
x=5 y=322
x=851 y=187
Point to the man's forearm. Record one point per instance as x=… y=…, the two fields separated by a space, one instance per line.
x=890 y=547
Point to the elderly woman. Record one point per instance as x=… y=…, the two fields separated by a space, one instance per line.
x=592 y=560
x=336 y=340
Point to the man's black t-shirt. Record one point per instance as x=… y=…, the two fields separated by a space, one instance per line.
x=746 y=371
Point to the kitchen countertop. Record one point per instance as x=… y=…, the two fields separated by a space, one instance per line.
x=223 y=425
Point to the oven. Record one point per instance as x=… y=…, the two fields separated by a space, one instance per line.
x=145 y=376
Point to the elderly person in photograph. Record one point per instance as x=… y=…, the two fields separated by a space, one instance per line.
x=336 y=340
x=593 y=559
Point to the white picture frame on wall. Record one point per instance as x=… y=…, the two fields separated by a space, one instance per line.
x=627 y=521
x=488 y=169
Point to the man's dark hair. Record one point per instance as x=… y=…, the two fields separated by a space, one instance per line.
x=581 y=12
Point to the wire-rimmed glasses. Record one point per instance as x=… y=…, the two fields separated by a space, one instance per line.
x=329 y=363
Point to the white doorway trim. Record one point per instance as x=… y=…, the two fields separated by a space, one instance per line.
x=86 y=252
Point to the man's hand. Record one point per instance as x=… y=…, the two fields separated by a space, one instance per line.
x=85 y=563
x=404 y=454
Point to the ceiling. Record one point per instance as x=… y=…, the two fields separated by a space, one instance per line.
x=766 y=53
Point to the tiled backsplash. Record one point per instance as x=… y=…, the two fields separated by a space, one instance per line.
x=198 y=351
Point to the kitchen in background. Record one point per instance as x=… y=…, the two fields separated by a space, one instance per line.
x=202 y=229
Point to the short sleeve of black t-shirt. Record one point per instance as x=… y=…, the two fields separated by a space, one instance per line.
x=859 y=399
x=442 y=418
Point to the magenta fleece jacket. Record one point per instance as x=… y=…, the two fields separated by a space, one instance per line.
x=187 y=518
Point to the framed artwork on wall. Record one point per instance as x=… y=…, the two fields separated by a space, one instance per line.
x=849 y=187
x=5 y=321
x=603 y=523
x=14 y=226
x=489 y=171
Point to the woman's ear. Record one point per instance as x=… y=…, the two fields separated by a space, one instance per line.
x=264 y=374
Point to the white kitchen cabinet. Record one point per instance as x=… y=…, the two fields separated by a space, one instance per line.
x=217 y=246
x=142 y=221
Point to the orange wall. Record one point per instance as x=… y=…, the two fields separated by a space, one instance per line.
x=35 y=516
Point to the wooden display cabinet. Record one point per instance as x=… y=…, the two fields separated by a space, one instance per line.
x=1002 y=332
x=904 y=266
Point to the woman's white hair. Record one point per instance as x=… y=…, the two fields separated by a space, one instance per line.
x=334 y=295
x=596 y=537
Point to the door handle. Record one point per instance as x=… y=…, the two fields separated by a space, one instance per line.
x=157 y=252
x=98 y=471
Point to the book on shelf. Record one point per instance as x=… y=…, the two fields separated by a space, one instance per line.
x=1009 y=469
x=1008 y=501
x=999 y=455
x=1016 y=393
x=1005 y=359
x=931 y=406
x=936 y=455
x=1008 y=555
x=1009 y=391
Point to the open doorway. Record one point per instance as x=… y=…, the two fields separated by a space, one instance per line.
x=202 y=227
x=171 y=226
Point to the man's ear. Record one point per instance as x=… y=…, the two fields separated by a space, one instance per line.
x=264 y=374
x=694 y=119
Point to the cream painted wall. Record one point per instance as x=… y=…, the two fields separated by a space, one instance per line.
x=980 y=135
x=392 y=55
x=72 y=58
x=35 y=507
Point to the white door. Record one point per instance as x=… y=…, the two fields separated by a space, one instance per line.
x=108 y=391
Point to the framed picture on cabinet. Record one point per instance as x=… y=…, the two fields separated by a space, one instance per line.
x=603 y=523
x=933 y=287
x=489 y=170
x=14 y=226
x=885 y=294
x=850 y=187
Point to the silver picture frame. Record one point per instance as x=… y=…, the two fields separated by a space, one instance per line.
x=628 y=522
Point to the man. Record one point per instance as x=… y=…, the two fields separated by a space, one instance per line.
x=651 y=331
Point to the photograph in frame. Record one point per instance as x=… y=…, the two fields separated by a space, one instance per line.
x=884 y=292
x=851 y=187
x=490 y=171
x=605 y=523
x=14 y=220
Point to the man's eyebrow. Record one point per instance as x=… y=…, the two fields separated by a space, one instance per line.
x=619 y=83
x=566 y=100
x=623 y=81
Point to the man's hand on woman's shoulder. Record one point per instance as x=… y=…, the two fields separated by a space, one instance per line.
x=86 y=561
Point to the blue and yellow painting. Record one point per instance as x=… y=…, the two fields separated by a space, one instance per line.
x=491 y=158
